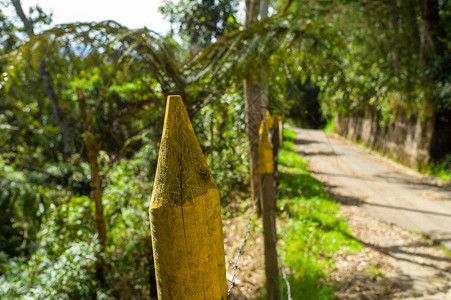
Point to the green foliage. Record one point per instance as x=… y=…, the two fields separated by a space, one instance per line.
x=220 y=128
x=201 y=22
x=354 y=53
x=120 y=71
x=441 y=168
x=313 y=228
x=393 y=72
x=125 y=76
x=330 y=126
x=304 y=105
x=23 y=205
x=63 y=263
x=44 y=276
x=126 y=200
x=282 y=47
x=8 y=34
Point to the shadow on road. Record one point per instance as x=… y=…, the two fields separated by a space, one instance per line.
x=385 y=178
x=305 y=142
x=398 y=249
x=358 y=202
x=319 y=153
x=399 y=284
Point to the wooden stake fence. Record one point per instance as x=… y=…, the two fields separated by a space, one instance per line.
x=276 y=143
x=280 y=119
x=266 y=170
x=185 y=215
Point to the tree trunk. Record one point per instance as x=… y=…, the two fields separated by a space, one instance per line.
x=96 y=189
x=263 y=83
x=26 y=22
x=252 y=10
x=252 y=98
x=253 y=119
x=433 y=27
x=263 y=9
x=393 y=28
x=412 y=26
x=92 y=148
x=47 y=81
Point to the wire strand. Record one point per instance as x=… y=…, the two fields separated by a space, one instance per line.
x=243 y=243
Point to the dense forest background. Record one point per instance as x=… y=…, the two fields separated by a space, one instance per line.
x=82 y=107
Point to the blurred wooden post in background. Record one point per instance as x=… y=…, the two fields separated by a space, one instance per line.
x=275 y=143
x=269 y=120
x=280 y=130
x=266 y=170
x=185 y=215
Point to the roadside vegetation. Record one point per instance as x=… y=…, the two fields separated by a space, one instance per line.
x=440 y=168
x=312 y=229
x=82 y=108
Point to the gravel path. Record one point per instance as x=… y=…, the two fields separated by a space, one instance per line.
x=379 y=198
x=389 y=192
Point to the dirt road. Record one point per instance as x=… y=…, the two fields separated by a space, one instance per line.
x=389 y=192
x=395 y=263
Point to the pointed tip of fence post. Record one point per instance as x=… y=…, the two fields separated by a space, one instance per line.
x=265 y=152
x=269 y=120
x=180 y=159
x=276 y=118
x=185 y=215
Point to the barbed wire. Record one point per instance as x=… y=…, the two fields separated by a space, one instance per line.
x=274 y=235
x=282 y=267
x=234 y=263
x=243 y=243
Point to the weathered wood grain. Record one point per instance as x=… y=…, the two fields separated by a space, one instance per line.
x=185 y=215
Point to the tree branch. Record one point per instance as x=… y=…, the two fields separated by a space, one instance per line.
x=287 y=6
x=47 y=81
x=26 y=22
x=37 y=169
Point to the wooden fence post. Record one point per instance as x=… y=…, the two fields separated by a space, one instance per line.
x=185 y=215
x=275 y=144
x=269 y=120
x=280 y=130
x=266 y=170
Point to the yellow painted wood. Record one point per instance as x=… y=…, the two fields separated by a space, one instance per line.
x=280 y=127
x=275 y=138
x=265 y=152
x=281 y=118
x=185 y=215
x=269 y=120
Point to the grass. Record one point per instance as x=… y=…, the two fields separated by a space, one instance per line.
x=312 y=229
x=330 y=126
x=441 y=169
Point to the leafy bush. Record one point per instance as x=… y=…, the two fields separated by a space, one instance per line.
x=220 y=128
x=43 y=275
x=441 y=168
